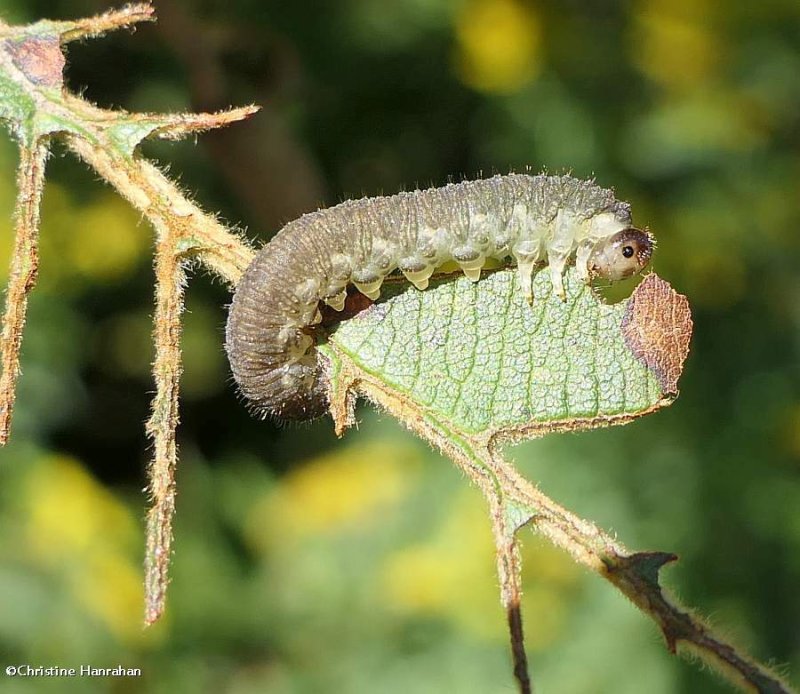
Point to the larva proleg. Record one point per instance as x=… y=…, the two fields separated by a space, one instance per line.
x=528 y=220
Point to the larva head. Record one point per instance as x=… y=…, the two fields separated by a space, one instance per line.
x=622 y=255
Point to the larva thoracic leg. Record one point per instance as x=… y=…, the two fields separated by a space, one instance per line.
x=527 y=219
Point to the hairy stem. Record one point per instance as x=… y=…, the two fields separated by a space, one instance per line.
x=509 y=571
x=163 y=422
x=182 y=231
x=197 y=234
x=108 y=21
x=635 y=575
x=23 y=274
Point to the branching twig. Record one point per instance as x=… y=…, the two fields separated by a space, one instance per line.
x=635 y=575
x=198 y=235
x=182 y=231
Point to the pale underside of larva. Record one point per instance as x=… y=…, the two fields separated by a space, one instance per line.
x=526 y=219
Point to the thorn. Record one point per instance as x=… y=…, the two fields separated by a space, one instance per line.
x=129 y=130
x=108 y=21
x=648 y=564
x=179 y=126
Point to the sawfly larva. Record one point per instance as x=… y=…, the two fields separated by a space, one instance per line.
x=530 y=219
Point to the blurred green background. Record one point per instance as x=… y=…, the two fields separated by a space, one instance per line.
x=307 y=564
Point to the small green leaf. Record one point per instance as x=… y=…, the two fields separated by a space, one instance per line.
x=479 y=357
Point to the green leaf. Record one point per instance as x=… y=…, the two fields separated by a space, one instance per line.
x=480 y=358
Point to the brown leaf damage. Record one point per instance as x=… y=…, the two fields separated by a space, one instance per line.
x=657 y=328
x=38 y=58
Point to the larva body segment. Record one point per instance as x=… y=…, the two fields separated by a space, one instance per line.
x=529 y=219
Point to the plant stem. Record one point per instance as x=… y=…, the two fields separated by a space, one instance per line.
x=23 y=274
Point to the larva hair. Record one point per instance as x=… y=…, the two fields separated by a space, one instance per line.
x=530 y=219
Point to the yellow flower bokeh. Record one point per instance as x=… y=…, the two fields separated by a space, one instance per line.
x=453 y=575
x=106 y=239
x=675 y=43
x=498 y=45
x=99 y=242
x=76 y=527
x=335 y=491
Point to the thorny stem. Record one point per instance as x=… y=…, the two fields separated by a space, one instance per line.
x=108 y=21
x=24 y=270
x=509 y=565
x=635 y=575
x=197 y=235
x=509 y=570
x=182 y=230
x=163 y=422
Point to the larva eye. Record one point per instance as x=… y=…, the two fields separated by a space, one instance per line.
x=621 y=255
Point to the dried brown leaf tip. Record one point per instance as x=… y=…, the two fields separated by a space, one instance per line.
x=39 y=58
x=657 y=328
